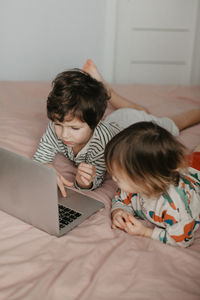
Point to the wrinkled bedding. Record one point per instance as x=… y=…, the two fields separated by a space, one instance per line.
x=92 y=261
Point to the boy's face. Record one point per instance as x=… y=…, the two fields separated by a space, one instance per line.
x=73 y=132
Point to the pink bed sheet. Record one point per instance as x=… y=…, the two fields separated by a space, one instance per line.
x=92 y=261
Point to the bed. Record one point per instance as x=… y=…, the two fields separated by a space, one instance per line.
x=92 y=262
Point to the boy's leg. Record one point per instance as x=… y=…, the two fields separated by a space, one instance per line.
x=187 y=119
x=116 y=100
x=120 y=102
x=197 y=149
x=127 y=116
x=182 y=120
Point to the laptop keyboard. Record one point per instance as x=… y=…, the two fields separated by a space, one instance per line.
x=67 y=215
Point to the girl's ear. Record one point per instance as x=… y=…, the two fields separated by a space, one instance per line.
x=180 y=168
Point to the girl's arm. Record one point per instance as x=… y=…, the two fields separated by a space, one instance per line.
x=182 y=214
x=121 y=209
x=122 y=215
x=136 y=227
x=180 y=234
x=122 y=200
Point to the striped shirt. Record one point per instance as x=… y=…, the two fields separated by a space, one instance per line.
x=92 y=152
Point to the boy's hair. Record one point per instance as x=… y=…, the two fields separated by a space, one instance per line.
x=148 y=154
x=76 y=94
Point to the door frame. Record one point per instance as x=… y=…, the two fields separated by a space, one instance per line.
x=195 y=72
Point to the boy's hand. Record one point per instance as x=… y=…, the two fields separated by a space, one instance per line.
x=119 y=218
x=136 y=227
x=85 y=175
x=61 y=181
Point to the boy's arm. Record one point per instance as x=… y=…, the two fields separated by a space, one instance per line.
x=48 y=146
x=97 y=182
x=61 y=181
x=98 y=170
x=95 y=152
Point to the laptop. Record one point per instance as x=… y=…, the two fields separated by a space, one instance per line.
x=28 y=191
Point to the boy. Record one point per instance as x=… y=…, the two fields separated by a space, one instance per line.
x=75 y=107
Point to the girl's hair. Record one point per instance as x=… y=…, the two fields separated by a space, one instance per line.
x=76 y=94
x=148 y=154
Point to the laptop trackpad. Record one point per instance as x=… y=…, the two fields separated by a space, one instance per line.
x=80 y=202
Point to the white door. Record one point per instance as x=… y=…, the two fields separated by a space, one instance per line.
x=155 y=41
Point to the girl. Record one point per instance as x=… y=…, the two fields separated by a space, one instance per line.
x=148 y=164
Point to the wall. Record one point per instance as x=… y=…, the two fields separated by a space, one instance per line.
x=40 y=38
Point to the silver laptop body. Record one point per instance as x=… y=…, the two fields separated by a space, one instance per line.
x=28 y=191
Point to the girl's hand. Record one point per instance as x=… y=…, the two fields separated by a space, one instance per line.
x=136 y=227
x=61 y=181
x=119 y=218
x=85 y=175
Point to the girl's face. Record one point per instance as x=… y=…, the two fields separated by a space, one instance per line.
x=73 y=132
x=125 y=183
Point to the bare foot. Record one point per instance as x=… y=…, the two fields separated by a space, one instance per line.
x=186 y=119
x=116 y=100
x=197 y=149
x=91 y=69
